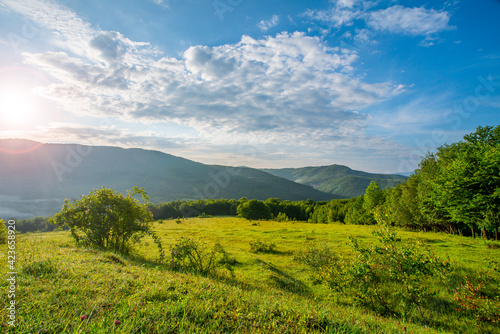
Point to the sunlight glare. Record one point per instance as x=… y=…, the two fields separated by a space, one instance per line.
x=16 y=108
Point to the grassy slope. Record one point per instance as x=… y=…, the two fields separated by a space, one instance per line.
x=269 y=294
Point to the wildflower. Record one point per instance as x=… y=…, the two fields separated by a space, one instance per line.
x=117 y=322
x=83 y=317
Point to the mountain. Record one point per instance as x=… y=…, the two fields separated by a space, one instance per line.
x=35 y=178
x=337 y=180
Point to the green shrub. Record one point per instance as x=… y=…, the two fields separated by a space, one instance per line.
x=282 y=217
x=108 y=219
x=3 y=232
x=473 y=301
x=262 y=247
x=391 y=278
x=320 y=259
x=188 y=255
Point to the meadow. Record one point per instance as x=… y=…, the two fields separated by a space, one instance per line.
x=63 y=287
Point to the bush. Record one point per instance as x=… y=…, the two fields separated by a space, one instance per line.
x=188 y=255
x=282 y=217
x=319 y=259
x=108 y=219
x=254 y=210
x=473 y=301
x=3 y=232
x=390 y=278
x=262 y=247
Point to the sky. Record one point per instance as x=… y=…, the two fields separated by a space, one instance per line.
x=373 y=85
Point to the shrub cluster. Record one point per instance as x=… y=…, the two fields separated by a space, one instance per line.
x=189 y=255
x=391 y=277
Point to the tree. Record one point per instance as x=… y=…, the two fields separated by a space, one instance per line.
x=373 y=198
x=468 y=182
x=254 y=209
x=107 y=218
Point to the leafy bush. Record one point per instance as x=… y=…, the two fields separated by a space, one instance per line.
x=390 y=278
x=188 y=255
x=473 y=301
x=320 y=259
x=262 y=247
x=3 y=232
x=254 y=209
x=108 y=219
x=282 y=217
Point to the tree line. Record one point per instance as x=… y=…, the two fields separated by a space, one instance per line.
x=456 y=190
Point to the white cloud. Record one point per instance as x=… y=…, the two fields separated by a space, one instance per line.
x=363 y=36
x=409 y=21
x=251 y=86
x=265 y=25
x=360 y=14
x=289 y=89
x=337 y=16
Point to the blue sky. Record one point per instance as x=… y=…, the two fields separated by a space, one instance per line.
x=372 y=85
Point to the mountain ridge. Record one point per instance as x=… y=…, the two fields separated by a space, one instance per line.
x=35 y=178
x=338 y=180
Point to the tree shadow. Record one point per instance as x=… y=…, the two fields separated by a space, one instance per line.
x=285 y=281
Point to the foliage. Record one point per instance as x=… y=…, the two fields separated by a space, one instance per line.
x=188 y=255
x=259 y=246
x=374 y=197
x=319 y=258
x=36 y=224
x=281 y=217
x=471 y=300
x=390 y=278
x=3 y=232
x=254 y=210
x=456 y=188
x=108 y=219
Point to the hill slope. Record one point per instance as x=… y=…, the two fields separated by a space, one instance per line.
x=338 y=180
x=35 y=178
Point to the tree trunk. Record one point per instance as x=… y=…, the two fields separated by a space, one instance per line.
x=496 y=234
x=473 y=235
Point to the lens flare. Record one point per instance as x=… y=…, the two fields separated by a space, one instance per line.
x=16 y=108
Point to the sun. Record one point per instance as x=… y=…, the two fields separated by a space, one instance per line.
x=16 y=108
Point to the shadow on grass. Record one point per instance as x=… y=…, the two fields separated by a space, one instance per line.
x=285 y=281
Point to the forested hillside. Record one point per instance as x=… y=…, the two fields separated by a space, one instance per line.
x=338 y=180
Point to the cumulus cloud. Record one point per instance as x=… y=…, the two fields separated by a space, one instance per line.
x=409 y=21
x=265 y=25
x=253 y=85
x=286 y=89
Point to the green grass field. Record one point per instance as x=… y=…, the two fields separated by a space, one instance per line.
x=63 y=287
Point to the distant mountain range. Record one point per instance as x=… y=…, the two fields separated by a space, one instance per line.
x=337 y=180
x=35 y=178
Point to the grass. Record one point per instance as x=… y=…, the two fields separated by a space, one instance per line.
x=65 y=288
